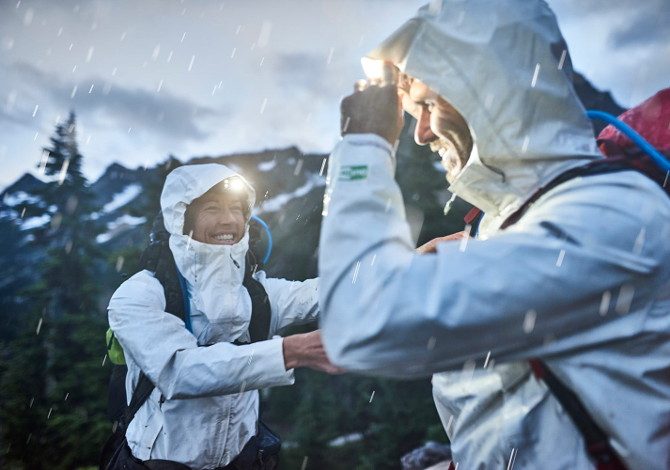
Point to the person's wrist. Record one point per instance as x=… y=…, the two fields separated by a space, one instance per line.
x=291 y=350
x=384 y=135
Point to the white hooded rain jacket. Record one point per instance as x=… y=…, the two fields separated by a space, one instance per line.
x=205 y=404
x=581 y=281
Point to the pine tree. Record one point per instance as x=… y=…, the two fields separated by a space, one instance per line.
x=70 y=384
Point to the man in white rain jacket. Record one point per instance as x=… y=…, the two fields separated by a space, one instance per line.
x=581 y=281
x=204 y=408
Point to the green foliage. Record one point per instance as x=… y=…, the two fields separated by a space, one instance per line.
x=383 y=418
x=78 y=425
x=23 y=402
x=53 y=385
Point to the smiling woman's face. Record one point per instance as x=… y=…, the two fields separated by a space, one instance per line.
x=217 y=217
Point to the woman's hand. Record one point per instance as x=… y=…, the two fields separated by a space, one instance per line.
x=431 y=246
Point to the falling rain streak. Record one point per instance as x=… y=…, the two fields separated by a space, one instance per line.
x=559 y=261
x=562 y=61
x=533 y=82
x=63 y=171
x=298 y=167
x=624 y=299
x=512 y=458
x=529 y=321
x=356 y=269
x=605 y=303
x=463 y=244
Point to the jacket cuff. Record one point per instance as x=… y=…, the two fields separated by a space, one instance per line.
x=270 y=356
x=369 y=140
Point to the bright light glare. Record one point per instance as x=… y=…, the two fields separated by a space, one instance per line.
x=234 y=184
x=379 y=72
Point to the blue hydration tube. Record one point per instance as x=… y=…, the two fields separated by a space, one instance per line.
x=637 y=139
x=187 y=301
x=262 y=223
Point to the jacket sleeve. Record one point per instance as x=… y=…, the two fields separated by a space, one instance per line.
x=162 y=347
x=540 y=288
x=292 y=302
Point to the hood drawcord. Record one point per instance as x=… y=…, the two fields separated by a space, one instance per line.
x=237 y=265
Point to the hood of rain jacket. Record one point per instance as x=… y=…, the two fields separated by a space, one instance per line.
x=214 y=273
x=503 y=69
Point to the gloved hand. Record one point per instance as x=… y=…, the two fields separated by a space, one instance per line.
x=373 y=110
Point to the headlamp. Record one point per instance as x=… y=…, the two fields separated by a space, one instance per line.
x=233 y=184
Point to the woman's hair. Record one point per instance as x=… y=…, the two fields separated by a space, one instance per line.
x=222 y=187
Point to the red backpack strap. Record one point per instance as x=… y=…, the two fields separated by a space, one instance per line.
x=597 y=443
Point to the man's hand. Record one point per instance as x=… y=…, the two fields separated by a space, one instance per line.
x=431 y=246
x=375 y=110
x=306 y=350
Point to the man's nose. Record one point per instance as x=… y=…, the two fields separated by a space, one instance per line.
x=423 y=134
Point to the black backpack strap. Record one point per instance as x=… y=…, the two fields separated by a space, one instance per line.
x=140 y=395
x=157 y=258
x=259 y=326
x=597 y=443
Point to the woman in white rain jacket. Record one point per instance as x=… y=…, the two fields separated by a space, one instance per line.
x=204 y=408
x=582 y=281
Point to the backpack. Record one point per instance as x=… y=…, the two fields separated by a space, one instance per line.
x=158 y=258
x=624 y=150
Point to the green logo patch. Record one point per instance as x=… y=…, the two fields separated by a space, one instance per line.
x=353 y=172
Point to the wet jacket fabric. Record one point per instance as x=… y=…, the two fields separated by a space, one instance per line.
x=205 y=404
x=582 y=281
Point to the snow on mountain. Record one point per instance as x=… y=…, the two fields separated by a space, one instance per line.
x=19 y=197
x=120 y=199
x=276 y=203
x=34 y=222
x=124 y=197
x=267 y=166
x=121 y=224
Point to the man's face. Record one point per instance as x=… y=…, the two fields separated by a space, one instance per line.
x=217 y=218
x=438 y=124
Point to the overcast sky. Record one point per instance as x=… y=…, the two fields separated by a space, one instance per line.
x=192 y=77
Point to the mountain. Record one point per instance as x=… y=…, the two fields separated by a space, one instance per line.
x=289 y=191
x=592 y=98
